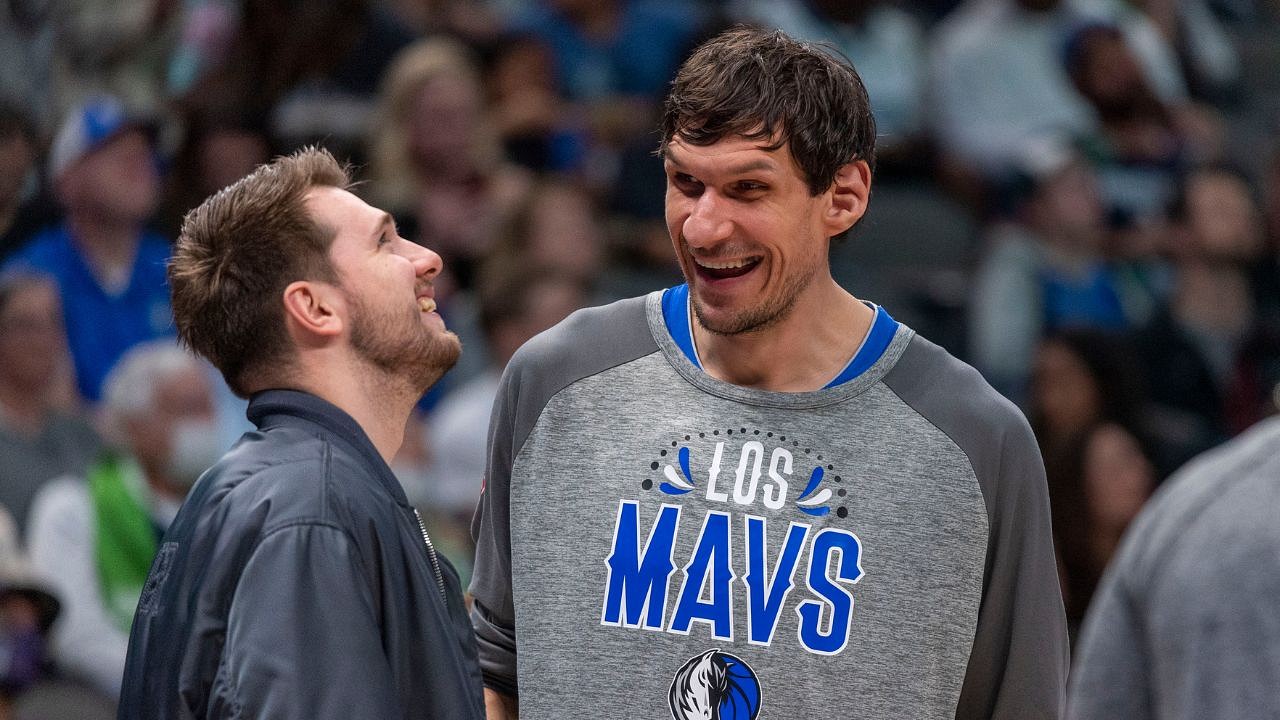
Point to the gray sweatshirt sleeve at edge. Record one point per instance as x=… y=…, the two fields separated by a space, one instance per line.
x=1018 y=664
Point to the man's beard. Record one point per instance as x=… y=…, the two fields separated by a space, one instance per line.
x=402 y=348
x=758 y=317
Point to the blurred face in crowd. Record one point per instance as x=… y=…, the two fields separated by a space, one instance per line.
x=31 y=336
x=118 y=180
x=446 y=114
x=387 y=283
x=749 y=236
x=1064 y=392
x=1069 y=205
x=175 y=439
x=228 y=155
x=1222 y=217
x=1118 y=477
x=547 y=302
x=563 y=232
x=1108 y=75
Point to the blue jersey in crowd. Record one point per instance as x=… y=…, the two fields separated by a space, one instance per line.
x=102 y=325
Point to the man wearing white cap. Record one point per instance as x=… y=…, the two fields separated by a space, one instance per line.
x=109 y=267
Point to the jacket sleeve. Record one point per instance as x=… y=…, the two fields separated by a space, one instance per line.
x=493 y=611
x=303 y=639
x=1018 y=665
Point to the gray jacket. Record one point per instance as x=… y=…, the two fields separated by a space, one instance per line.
x=296 y=583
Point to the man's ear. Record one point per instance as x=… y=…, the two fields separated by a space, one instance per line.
x=311 y=312
x=850 y=192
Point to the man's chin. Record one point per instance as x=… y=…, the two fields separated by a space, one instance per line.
x=440 y=355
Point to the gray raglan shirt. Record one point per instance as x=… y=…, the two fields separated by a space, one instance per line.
x=1186 y=622
x=653 y=542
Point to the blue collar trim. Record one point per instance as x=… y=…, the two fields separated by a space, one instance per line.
x=675 y=314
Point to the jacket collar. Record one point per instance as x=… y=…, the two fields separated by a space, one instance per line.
x=295 y=408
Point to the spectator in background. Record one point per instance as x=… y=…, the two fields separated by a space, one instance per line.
x=556 y=225
x=1142 y=142
x=1044 y=270
x=1095 y=492
x=311 y=68
x=27 y=611
x=885 y=43
x=95 y=535
x=518 y=298
x=122 y=48
x=435 y=162
x=1088 y=410
x=220 y=147
x=1209 y=353
x=24 y=209
x=1180 y=43
x=537 y=126
x=613 y=61
x=108 y=266
x=39 y=438
x=997 y=81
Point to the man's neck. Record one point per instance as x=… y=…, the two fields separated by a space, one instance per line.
x=801 y=352
x=109 y=246
x=379 y=403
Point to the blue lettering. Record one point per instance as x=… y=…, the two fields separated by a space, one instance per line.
x=708 y=568
x=848 y=569
x=766 y=595
x=636 y=589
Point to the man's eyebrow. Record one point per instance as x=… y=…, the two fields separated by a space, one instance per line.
x=383 y=222
x=746 y=167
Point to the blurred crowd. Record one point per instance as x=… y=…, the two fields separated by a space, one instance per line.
x=1079 y=197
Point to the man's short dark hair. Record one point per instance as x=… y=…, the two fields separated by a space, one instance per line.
x=763 y=85
x=237 y=253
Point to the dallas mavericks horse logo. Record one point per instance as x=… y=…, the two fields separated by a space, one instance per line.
x=715 y=686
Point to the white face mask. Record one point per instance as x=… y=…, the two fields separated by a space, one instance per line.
x=193 y=447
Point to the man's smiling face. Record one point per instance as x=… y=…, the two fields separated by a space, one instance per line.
x=749 y=236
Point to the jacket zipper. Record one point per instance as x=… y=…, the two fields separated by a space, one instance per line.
x=431 y=553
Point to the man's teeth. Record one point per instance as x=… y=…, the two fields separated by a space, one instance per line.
x=426 y=304
x=726 y=265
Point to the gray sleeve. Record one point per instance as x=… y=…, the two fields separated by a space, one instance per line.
x=1018 y=662
x=1109 y=679
x=302 y=636
x=493 y=612
x=586 y=343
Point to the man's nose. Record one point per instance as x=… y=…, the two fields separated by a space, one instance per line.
x=708 y=222
x=426 y=262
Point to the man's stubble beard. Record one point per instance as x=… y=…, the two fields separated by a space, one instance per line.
x=760 y=317
x=404 y=350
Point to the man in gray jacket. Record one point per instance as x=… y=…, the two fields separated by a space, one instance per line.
x=297 y=581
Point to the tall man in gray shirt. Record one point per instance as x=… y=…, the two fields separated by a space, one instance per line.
x=755 y=492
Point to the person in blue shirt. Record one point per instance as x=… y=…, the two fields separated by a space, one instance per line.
x=109 y=268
